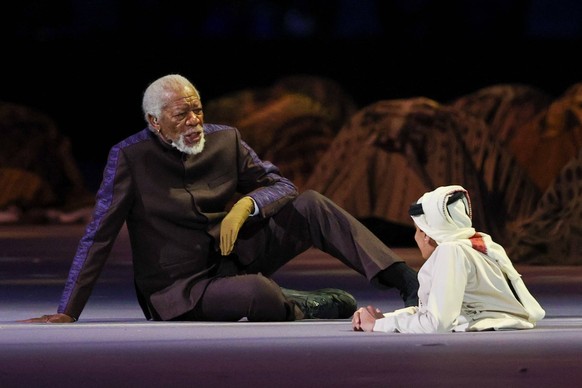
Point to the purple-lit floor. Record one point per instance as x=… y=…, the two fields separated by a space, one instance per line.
x=113 y=345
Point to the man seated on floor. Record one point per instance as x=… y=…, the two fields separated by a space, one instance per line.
x=196 y=257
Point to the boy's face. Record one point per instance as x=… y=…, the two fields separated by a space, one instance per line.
x=425 y=243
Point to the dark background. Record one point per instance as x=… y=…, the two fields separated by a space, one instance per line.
x=86 y=63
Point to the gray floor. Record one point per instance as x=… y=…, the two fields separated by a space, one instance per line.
x=112 y=345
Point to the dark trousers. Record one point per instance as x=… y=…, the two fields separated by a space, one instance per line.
x=243 y=287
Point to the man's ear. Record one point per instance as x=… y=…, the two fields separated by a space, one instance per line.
x=153 y=121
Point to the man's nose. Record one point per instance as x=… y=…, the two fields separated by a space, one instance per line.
x=193 y=118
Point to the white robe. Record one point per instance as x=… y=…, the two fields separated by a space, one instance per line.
x=461 y=290
x=465 y=283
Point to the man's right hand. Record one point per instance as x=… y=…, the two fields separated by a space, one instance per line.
x=53 y=318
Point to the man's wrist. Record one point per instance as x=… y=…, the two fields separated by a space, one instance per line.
x=255 y=209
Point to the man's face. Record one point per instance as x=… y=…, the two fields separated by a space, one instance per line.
x=181 y=121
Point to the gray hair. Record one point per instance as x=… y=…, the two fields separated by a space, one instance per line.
x=156 y=94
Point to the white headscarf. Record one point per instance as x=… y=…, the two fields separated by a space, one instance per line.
x=445 y=222
x=446 y=217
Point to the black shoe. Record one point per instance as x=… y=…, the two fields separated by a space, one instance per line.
x=327 y=303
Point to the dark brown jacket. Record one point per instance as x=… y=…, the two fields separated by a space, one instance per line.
x=173 y=204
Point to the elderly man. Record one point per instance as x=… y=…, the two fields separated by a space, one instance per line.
x=195 y=255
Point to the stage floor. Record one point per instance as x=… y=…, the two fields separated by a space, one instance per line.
x=113 y=345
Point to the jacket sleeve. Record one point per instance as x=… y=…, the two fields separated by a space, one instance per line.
x=263 y=182
x=111 y=207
